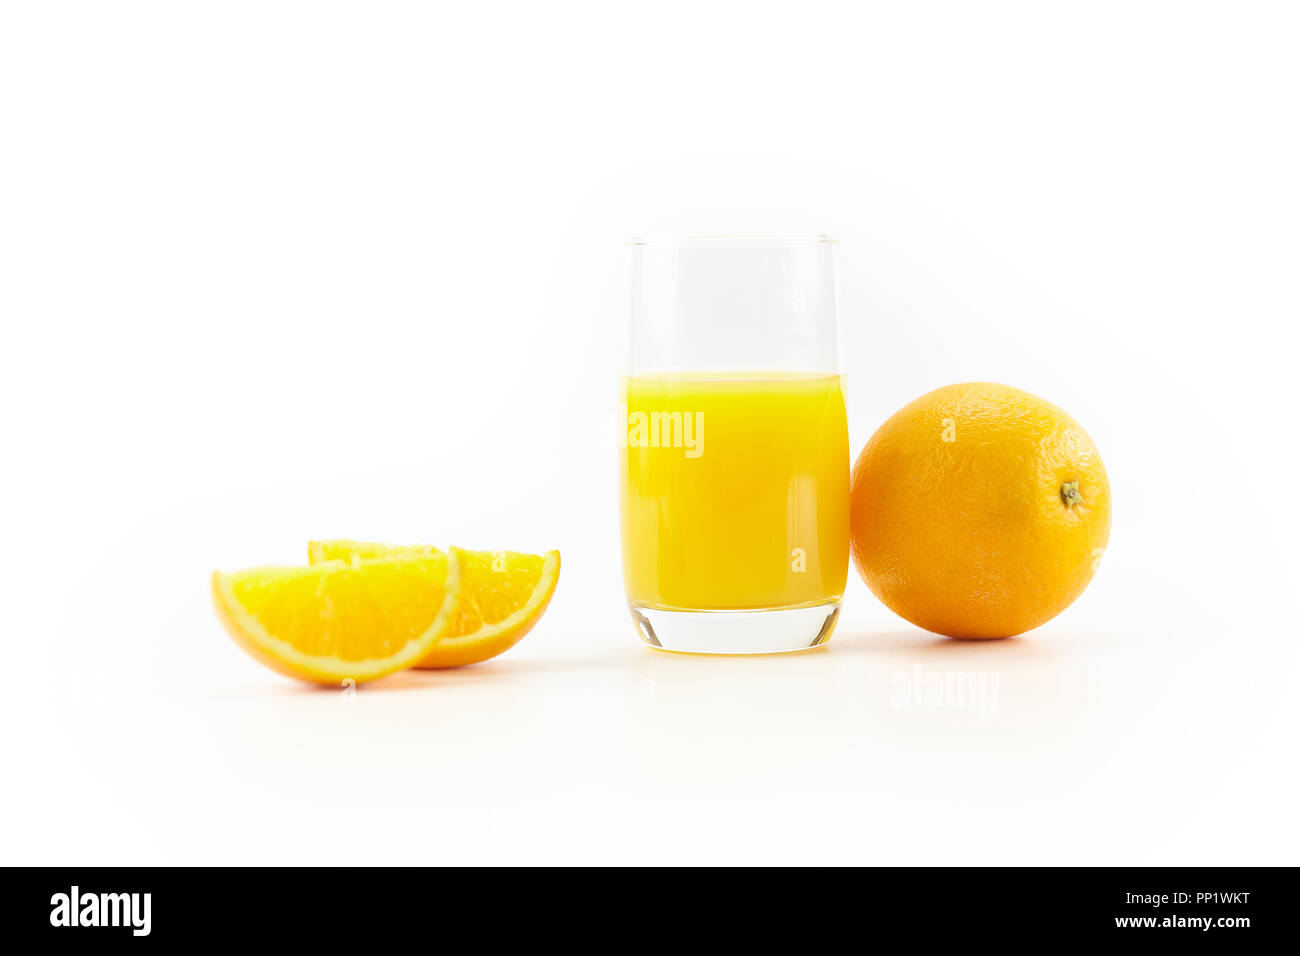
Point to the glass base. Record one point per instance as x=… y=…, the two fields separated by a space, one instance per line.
x=766 y=631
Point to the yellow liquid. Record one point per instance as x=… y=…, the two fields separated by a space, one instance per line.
x=742 y=499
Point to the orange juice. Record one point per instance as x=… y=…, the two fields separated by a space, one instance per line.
x=735 y=490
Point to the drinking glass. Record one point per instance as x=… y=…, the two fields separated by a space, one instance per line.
x=735 y=467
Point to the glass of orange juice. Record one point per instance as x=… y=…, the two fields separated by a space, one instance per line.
x=735 y=467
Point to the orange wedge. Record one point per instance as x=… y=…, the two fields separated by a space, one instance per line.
x=340 y=620
x=502 y=595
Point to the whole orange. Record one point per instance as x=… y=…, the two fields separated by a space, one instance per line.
x=979 y=511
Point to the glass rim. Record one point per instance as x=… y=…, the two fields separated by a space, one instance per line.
x=775 y=239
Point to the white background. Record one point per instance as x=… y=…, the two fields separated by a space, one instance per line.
x=274 y=271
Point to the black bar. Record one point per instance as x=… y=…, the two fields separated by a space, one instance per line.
x=1177 y=906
